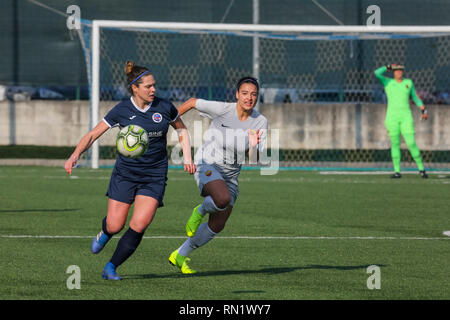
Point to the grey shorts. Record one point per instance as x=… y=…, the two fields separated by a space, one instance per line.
x=209 y=172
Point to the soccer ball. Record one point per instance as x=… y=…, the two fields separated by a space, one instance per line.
x=132 y=141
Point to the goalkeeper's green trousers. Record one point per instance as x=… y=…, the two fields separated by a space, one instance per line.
x=413 y=149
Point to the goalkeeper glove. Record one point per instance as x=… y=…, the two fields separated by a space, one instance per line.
x=424 y=113
x=389 y=67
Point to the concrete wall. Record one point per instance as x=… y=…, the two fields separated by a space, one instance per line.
x=301 y=126
x=351 y=126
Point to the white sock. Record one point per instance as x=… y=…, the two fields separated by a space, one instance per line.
x=203 y=235
x=208 y=206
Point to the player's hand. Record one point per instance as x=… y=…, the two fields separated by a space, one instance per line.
x=254 y=137
x=70 y=163
x=424 y=113
x=190 y=168
x=390 y=66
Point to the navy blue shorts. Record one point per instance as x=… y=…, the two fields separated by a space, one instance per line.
x=124 y=190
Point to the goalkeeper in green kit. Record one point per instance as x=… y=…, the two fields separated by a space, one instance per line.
x=399 y=119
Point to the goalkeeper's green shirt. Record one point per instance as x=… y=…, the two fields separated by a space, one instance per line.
x=398 y=94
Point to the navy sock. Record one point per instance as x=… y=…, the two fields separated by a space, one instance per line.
x=126 y=246
x=104 y=228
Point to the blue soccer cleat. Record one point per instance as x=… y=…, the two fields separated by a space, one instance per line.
x=109 y=272
x=99 y=242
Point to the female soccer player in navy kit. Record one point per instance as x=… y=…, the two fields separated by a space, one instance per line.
x=141 y=181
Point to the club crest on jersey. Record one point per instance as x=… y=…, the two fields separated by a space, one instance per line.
x=208 y=173
x=157 y=117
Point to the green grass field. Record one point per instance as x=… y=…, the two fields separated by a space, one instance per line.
x=294 y=235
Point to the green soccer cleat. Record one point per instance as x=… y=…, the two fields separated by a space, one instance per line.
x=194 y=222
x=179 y=261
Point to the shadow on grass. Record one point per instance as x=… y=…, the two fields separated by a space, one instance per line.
x=265 y=271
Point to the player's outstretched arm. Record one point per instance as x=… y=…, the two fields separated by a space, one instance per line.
x=186 y=106
x=84 y=144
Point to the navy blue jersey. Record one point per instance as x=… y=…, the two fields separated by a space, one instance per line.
x=156 y=119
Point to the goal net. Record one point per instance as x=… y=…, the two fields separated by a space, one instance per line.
x=318 y=87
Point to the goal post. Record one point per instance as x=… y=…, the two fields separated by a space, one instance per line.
x=314 y=68
x=95 y=89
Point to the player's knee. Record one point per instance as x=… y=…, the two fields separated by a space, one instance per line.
x=114 y=228
x=139 y=225
x=395 y=140
x=222 y=201
x=410 y=142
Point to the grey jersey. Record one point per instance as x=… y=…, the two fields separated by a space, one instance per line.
x=226 y=140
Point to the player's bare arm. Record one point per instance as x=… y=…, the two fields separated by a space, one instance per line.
x=85 y=143
x=184 y=139
x=253 y=141
x=186 y=106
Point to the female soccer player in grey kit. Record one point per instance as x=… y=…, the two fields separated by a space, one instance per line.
x=219 y=162
x=141 y=181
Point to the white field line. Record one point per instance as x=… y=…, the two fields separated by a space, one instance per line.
x=280 y=179
x=442 y=178
x=238 y=237
x=364 y=173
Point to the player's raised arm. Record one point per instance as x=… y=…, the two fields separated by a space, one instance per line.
x=379 y=73
x=86 y=141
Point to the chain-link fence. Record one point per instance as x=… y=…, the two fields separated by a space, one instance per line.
x=301 y=70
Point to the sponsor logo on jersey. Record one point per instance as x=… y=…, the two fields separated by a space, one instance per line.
x=153 y=134
x=157 y=117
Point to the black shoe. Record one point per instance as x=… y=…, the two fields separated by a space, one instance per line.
x=423 y=174
x=396 y=175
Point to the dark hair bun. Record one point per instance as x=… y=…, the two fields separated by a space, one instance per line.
x=129 y=65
